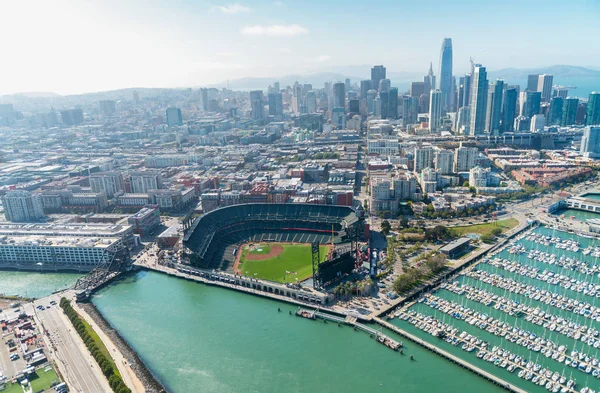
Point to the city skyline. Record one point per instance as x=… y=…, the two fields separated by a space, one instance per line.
x=126 y=45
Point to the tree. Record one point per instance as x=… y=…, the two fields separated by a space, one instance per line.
x=466 y=183
x=487 y=238
x=385 y=227
x=497 y=231
x=404 y=222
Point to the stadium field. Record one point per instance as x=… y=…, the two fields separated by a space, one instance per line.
x=271 y=261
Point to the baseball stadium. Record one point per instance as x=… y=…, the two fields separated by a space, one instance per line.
x=275 y=242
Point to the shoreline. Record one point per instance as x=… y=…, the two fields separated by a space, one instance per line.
x=151 y=383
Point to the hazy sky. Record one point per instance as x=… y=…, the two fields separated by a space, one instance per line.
x=75 y=46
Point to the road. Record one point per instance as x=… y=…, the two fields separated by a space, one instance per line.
x=80 y=370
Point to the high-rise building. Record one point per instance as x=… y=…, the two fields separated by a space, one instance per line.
x=462 y=97
x=429 y=80
x=108 y=182
x=569 y=112
x=371 y=95
x=365 y=86
x=354 y=105
x=174 y=117
x=479 y=177
x=509 y=108
x=204 y=97
x=537 y=123
x=465 y=158
x=590 y=142
x=444 y=161
x=377 y=74
x=384 y=101
x=555 y=111
x=347 y=83
x=423 y=158
x=479 y=95
x=339 y=95
x=338 y=118
x=311 y=102
x=463 y=119
x=410 y=110
x=72 y=117
x=275 y=104
x=136 y=97
x=108 y=107
x=417 y=89
x=532 y=82
x=445 y=74
x=593 y=109
x=435 y=110
x=22 y=206
x=533 y=100
x=545 y=86
x=393 y=103
x=142 y=182
x=256 y=105
x=561 y=92
x=494 y=107
x=385 y=85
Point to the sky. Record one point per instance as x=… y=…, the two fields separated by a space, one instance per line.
x=78 y=46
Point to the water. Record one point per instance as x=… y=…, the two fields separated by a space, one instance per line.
x=592 y=196
x=34 y=285
x=520 y=322
x=192 y=335
x=580 y=215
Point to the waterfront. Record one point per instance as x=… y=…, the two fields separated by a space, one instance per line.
x=33 y=284
x=194 y=335
x=580 y=215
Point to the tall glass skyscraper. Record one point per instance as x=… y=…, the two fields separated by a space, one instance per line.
x=393 y=103
x=569 y=111
x=555 y=111
x=494 y=107
x=446 y=74
x=479 y=95
x=435 y=110
x=593 y=109
x=377 y=74
x=509 y=109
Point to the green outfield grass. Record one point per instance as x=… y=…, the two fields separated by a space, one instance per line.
x=294 y=258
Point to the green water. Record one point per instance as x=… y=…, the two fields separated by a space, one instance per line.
x=580 y=215
x=592 y=196
x=198 y=338
x=35 y=285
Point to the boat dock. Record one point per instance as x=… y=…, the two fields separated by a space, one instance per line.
x=351 y=321
x=449 y=356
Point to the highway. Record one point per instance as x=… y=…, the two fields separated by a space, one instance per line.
x=74 y=360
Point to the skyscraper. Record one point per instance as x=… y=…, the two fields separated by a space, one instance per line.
x=377 y=74
x=445 y=74
x=545 y=86
x=365 y=86
x=429 y=80
x=256 y=104
x=416 y=89
x=494 y=107
x=532 y=103
x=204 y=96
x=108 y=107
x=569 y=113
x=384 y=101
x=555 y=111
x=275 y=104
x=509 y=108
x=435 y=110
x=532 y=82
x=339 y=95
x=593 y=109
x=311 y=102
x=590 y=142
x=393 y=103
x=174 y=117
x=385 y=84
x=479 y=95
x=464 y=85
x=410 y=110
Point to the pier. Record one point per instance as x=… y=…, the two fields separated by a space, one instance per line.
x=452 y=358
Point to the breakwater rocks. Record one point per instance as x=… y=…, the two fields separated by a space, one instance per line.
x=150 y=382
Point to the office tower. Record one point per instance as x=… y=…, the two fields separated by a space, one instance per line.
x=463 y=119
x=494 y=107
x=581 y=113
x=338 y=118
x=174 y=117
x=479 y=95
x=142 y=182
x=365 y=86
x=371 y=96
x=532 y=82
x=275 y=104
x=22 y=206
x=256 y=104
x=297 y=98
x=377 y=74
x=555 y=111
x=569 y=112
x=354 y=105
x=445 y=74
x=71 y=117
x=465 y=158
x=306 y=88
x=384 y=101
x=590 y=142
x=561 y=92
x=509 y=108
x=429 y=80
x=533 y=100
x=385 y=85
x=444 y=161
x=108 y=182
x=435 y=110
x=339 y=95
x=522 y=123
x=467 y=94
x=537 y=123
x=348 y=84
x=204 y=97
x=136 y=97
x=545 y=86
x=410 y=110
x=593 y=109
x=108 y=107
x=393 y=103
x=423 y=158
x=417 y=89
x=424 y=103
x=310 y=102
x=460 y=93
